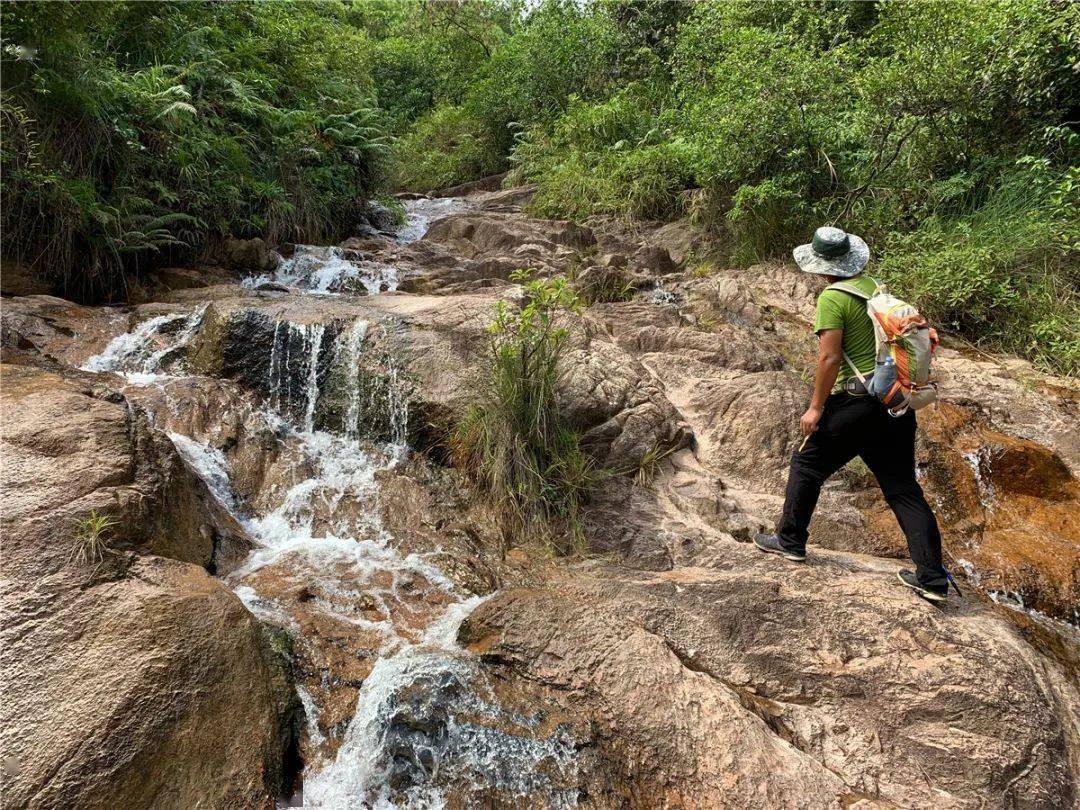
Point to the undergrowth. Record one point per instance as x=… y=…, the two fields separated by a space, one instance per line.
x=140 y=133
x=515 y=440
x=603 y=285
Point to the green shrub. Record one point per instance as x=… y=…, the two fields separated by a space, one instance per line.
x=603 y=285
x=605 y=157
x=896 y=121
x=138 y=133
x=1006 y=274
x=444 y=148
x=515 y=440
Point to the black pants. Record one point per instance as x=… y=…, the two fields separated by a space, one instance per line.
x=859 y=426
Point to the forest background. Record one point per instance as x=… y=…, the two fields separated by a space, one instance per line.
x=136 y=134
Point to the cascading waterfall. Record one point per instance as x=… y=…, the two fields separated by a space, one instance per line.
x=312 y=392
x=325 y=569
x=330 y=270
x=420 y=213
x=140 y=354
x=295 y=369
x=353 y=343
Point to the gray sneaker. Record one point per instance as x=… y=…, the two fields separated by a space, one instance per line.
x=908 y=578
x=770 y=544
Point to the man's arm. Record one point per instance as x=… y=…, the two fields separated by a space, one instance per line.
x=830 y=356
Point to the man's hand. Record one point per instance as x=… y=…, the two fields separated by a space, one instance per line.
x=810 y=419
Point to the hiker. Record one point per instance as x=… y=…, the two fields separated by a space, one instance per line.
x=844 y=420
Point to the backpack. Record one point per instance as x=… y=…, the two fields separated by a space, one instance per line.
x=905 y=346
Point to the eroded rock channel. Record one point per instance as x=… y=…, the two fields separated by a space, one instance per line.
x=302 y=607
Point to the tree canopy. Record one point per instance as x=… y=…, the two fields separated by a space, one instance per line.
x=944 y=132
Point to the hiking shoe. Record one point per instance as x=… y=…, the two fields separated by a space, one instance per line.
x=770 y=544
x=909 y=579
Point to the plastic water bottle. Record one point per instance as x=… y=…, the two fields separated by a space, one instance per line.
x=884 y=376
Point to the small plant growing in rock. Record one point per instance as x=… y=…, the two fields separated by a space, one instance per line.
x=90 y=543
x=601 y=285
x=515 y=441
x=649 y=465
x=702 y=269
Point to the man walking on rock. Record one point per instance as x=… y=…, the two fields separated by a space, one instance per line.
x=844 y=421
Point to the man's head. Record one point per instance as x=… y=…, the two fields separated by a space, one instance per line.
x=833 y=253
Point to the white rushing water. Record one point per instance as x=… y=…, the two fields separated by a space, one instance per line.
x=420 y=213
x=328 y=270
x=140 y=354
x=425 y=716
x=980 y=462
x=336 y=270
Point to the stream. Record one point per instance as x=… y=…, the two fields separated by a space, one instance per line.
x=395 y=714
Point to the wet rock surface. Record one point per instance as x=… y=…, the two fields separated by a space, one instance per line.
x=267 y=429
x=72 y=446
x=134 y=678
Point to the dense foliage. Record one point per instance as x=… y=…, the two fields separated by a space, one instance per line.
x=515 y=440
x=944 y=132
x=134 y=132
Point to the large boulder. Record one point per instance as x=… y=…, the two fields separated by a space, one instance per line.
x=743 y=685
x=620 y=411
x=378 y=219
x=433 y=351
x=606 y=395
x=56 y=329
x=249 y=255
x=487 y=234
x=133 y=678
x=72 y=447
x=154 y=688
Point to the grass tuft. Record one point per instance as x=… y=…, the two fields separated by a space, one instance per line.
x=515 y=441
x=90 y=542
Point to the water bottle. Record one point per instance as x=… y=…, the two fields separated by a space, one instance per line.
x=884 y=377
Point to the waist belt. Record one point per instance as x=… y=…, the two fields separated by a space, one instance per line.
x=854 y=387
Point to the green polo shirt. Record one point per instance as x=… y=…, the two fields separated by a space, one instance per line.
x=837 y=309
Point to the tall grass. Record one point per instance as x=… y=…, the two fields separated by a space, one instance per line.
x=515 y=440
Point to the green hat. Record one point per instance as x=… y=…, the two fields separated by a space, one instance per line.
x=832 y=252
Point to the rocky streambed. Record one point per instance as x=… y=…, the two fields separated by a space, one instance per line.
x=301 y=605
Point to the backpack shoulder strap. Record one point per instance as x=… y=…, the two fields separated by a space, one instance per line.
x=851 y=289
x=862 y=377
x=843 y=286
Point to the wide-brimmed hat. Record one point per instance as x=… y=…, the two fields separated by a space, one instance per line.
x=832 y=252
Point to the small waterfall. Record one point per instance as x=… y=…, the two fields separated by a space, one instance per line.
x=353 y=342
x=980 y=463
x=420 y=213
x=140 y=355
x=427 y=712
x=311 y=394
x=330 y=270
x=212 y=468
x=662 y=296
x=371 y=397
x=297 y=366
